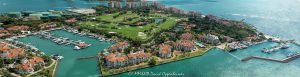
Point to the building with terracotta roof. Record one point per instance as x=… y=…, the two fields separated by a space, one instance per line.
x=186 y=36
x=165 y=51
x=120 y=46
x=12 y=53
x=28 y=66
x=24 y=68
x=18 y=28
x=72 y=20
x=116 y=60
x=210 y=39
x=138 y=57
x=47 y=26
x=4 y=34
x=184 y=45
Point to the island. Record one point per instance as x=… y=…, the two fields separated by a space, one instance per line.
x=144 y=34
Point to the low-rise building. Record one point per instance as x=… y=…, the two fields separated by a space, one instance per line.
x=120 y=46
x=184 y=46
x=117 y=60
x=165 y=51
x=4 y=34
x=24 y=68
x=73 y=20
x=83 y=11
x=47 y=26
x=28 y=66
x=18 y=28
x=138 y=57
x=186 y=36
x=14 y=14
x=12 y=53
x=209 y=39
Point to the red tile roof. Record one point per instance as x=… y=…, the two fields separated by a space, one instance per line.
x=118 y=45
x=186 y=36
x=71 y=20
x=164 y=48
x=185 y=43
x=18 y=28
x=47 y=25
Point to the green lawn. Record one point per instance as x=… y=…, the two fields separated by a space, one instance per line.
x=127 y=31
x=109 y=17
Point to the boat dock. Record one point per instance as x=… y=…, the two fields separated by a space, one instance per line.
x=84 y=33
x=87 y=57
x=286 y=60
x=275 y=48
x=61 y=40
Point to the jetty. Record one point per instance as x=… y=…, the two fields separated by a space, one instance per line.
x=286 y=60
x=87 y=57
x=298 y=44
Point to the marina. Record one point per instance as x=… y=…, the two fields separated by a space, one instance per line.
x=70 y=64
x=78 y=44
x=88 y=34
x=265 y=15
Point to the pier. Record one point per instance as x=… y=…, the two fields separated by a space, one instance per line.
x=275 y=48
x=286 y=60
x=298 y=44
x=87 y=57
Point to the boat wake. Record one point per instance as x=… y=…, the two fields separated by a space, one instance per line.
x=236 y=57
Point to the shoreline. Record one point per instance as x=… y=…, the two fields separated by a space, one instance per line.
x=146 y=65
x=55 y=67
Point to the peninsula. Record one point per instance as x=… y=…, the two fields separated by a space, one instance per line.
x=144 y=34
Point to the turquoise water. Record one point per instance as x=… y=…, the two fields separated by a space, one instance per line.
x=217 y=63
x=275 y=17
x=69 y=66
x=43 y=5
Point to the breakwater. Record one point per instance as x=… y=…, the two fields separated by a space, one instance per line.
x=286 y=60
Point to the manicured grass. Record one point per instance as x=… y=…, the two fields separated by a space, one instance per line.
x=131 y=31
x=109 y=17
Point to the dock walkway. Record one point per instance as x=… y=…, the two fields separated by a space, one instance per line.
x=87 y=57
x=286 y=60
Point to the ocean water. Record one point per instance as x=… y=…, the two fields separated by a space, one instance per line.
x=274 y=17
x=44 y=5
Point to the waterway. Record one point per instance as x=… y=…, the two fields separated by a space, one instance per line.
x=69 y=66
x=274 y=17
